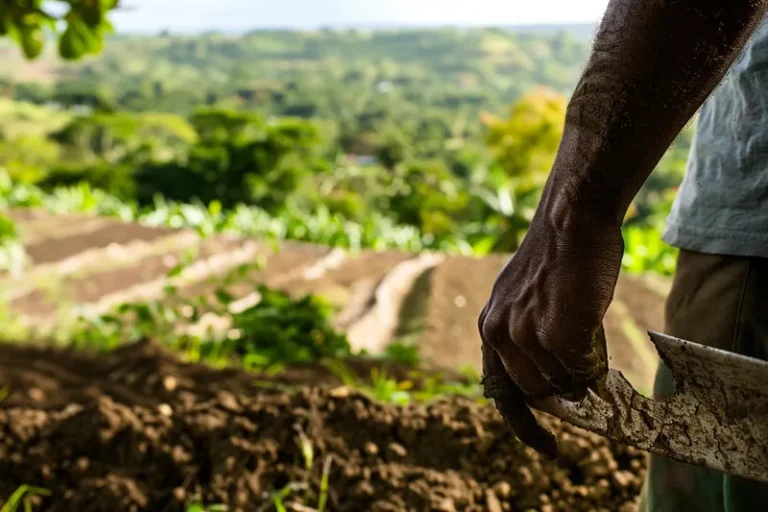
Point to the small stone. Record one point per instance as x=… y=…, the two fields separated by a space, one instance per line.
x=460 y=301
x=229 y=401
x=365 y=488
x=179 y=494
x=165 y=410
x=622 y=478
x=581 y=491
x=446 y=505
x=398 y=450
x=340 y=392
x=526 y=476
x=492 y=501
x=543 y=498
x=36 y=394
x=503 y=489
x=548 y=508
x=371 y=448
x=82 y=464
x=170 y=383
x=603 y=488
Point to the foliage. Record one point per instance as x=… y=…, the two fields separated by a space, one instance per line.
x=11 y=249
x=85 y=25
x=419 y=388
x=283 y=330
x=275 y=330
x=433 y=139
x=525 y=143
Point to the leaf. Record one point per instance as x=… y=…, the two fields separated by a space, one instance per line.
x=32 y=40
x=485 y=245
x=176 y=270
x=70 y=46
x=224 y=297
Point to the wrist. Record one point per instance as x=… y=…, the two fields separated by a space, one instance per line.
x=572 y=212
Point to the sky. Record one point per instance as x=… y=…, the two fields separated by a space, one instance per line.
x=228 y=15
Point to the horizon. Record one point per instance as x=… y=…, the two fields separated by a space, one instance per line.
x=231 y=16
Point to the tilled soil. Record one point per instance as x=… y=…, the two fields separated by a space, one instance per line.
x=439 y=315
x=139 y=430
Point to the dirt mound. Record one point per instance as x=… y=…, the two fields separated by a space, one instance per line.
x=138 y=430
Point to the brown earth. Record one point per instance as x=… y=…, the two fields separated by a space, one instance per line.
x=138 y=430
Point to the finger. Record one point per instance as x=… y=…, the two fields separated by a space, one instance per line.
x=523 y=371
x=549 y=366
x=510 y=402
x=521 y=368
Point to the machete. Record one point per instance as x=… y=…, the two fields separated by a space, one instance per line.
x=716 y=419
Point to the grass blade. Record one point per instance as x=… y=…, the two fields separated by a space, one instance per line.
x=323 y=501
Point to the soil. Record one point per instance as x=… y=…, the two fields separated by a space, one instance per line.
x=91 y=287
x=139 y=430
x=57 y=249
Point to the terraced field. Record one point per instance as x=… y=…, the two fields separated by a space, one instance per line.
x=139 y=430
x=381 y=296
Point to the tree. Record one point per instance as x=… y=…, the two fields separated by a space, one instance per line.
x=526 y=142
x=79 y=25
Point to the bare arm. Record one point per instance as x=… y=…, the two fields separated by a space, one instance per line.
x=653 y=64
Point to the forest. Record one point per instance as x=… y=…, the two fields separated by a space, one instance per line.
x=243 y=272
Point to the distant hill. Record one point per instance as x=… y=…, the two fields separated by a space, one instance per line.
x=582 y=30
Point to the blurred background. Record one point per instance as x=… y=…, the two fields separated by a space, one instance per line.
x=418 y=115
x=318 y=192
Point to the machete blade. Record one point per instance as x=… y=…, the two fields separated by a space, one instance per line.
x=717 y=418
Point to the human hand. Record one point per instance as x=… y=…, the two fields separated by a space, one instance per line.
x=541 y=329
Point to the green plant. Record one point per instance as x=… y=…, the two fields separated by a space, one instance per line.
x=281 y=329
x=275 y=331
x=12 y=254
x=421 y=387
x=402 y=352
x=644 y=251
x=21 y=497
x=199 y=507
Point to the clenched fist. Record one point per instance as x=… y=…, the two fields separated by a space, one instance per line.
x=542 y=326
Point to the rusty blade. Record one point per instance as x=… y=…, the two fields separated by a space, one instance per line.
x=716 y=419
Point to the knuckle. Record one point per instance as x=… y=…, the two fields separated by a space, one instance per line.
x=489 y=325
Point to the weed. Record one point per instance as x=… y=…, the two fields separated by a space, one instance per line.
x=402 y=352
x=21 y=496
x=199 y=507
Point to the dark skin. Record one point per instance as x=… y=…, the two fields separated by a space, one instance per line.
x=653 y=64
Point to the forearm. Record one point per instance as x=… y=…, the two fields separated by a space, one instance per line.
x=653 y=64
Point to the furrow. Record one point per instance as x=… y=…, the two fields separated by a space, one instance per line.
x=94 y=261
x=377 y=327
x=456 y=293
x=145 y=279
x=58 y=249
x=48 y=227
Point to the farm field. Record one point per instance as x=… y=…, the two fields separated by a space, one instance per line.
x=243 y=271
x=143 y=428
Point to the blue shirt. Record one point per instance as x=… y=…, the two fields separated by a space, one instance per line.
x=722 y=204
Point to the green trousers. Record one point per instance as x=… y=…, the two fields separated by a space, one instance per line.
x=722 y=302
